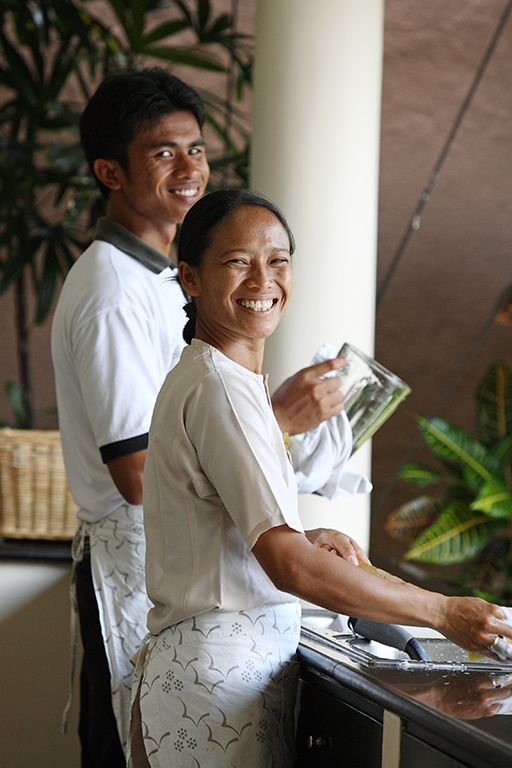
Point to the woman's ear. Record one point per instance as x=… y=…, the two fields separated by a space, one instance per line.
x=109 y=172
x=189 y=278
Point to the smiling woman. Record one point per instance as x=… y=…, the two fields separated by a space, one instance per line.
x=219 y=670
x=239 y=278
x=227 y=556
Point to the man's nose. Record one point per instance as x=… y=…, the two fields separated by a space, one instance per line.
x=184 y=165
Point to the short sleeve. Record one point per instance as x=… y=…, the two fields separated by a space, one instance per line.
x=242 y=453
x=119 y=370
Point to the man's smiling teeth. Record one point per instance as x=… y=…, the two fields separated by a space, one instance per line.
x=257 y=306
x=185 y=192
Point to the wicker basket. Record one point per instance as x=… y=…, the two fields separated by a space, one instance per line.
x=35 y=502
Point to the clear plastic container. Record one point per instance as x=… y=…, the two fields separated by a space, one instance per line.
x=371 y=393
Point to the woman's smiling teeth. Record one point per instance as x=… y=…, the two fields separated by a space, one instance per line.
x=258 y=306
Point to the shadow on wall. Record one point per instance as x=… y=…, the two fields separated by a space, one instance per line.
x=34 y=667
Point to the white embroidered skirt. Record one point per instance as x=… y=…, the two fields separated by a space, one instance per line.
x=218 y=690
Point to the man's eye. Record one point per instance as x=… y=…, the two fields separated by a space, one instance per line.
x=165 y=153
x=196 y=151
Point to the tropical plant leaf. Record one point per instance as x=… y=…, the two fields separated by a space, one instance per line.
x=503 y=449
x=45 y=282
x=182 y=55
x=187 y=14
x=494 y=499
x=419 y=474
x=494 y=404
x=203 y=13
x=65 y=256
x=407 y=522
x=221 y=24
x=455 y=445
x=168 y=29
x=488 y=576
x=17 y=74
x=457 y=535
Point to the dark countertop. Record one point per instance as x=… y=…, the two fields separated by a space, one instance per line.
x=455 y=708
x=35 y=549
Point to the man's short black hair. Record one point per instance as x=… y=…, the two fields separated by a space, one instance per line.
x=127 y=102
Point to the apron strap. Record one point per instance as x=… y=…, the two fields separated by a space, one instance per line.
x=79 y=549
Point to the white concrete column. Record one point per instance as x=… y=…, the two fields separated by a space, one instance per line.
x=316 y=120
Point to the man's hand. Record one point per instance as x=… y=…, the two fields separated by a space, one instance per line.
x=306 y=399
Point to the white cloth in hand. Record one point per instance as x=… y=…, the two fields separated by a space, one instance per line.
x=502 y=648
x=320 y=455
x=503 y=706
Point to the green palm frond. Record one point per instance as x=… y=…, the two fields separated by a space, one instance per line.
x=407 y=522
x=494 y=499
x=494 y=404
x=489 y=575
x=455 y=445
x=503 y=450
x=457 y=535
x=419 y=474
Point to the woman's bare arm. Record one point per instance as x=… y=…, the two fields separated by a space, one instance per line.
x=297 y=566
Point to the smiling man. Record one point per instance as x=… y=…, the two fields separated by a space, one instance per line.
x=117 y=331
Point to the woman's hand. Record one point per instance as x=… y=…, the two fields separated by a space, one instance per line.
x=308 y=397
x=338 y=543
x=475 y=624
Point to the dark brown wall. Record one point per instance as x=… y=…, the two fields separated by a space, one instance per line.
x=459 y=261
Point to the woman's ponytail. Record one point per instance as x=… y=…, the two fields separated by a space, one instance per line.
x=190 y=326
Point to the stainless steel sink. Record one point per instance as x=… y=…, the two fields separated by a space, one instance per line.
x=331 y=631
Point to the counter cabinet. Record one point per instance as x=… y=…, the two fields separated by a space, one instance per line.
x=347 y=716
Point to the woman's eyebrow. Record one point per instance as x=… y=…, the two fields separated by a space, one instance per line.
x=241 y=249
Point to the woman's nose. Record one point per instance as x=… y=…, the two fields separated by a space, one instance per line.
x=259 y=275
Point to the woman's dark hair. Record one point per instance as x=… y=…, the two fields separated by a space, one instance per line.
x=202 y=219
x=127 y=102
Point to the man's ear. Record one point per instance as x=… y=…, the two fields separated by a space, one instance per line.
x=109 y=172
x=189 y=278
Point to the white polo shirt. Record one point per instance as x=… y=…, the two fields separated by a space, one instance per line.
x=217 y=476
x=116 y=333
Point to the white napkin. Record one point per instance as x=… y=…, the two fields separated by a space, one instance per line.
x=503 y=646
x=320 y=455
x=503 y=706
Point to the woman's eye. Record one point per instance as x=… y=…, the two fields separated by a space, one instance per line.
x=281 y=260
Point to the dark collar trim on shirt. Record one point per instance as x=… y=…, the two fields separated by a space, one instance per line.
x=111 y=232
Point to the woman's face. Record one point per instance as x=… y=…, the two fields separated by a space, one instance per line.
x=244 y=281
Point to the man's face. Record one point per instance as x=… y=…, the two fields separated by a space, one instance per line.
x=167 y=172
